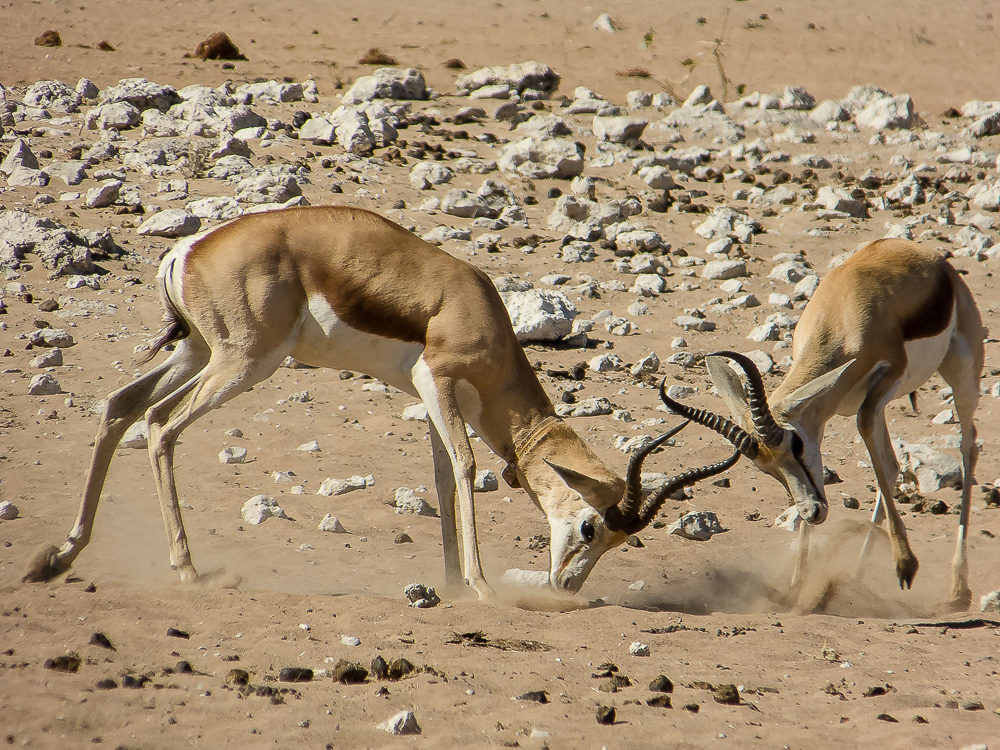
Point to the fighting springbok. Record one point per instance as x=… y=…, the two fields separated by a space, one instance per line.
x=876 y=328
x=343 y=287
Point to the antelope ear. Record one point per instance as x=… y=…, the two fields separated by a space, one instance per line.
x=730 y=387
x=804 y=396
x=587 y=486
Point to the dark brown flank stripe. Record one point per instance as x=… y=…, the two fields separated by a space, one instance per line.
x=934 y=317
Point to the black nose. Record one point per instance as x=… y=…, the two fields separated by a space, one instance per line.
x=818 y=514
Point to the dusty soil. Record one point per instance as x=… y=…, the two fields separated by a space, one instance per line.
x=712 y=613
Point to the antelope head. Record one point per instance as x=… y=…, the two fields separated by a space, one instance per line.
x=588 y=515
x=789 y=449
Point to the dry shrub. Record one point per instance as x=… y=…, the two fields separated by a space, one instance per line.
x=634 y=73
x=218 y=46
x=375 y=56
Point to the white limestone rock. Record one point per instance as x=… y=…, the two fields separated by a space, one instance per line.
x=425 y=174
x=537 y=158
x=413 y=501
x=114 y=116
x=619 y=129
x=232 y=455
x=896 y=112
x=44 y=385
x=591 y=407
x=331 y=487
x=259 y=508
x=532 y=78
x=721 y=270
x=526 y=578
x=388 y=83
x=332 y=524
x=539 y=314
x=220 y=208
x=19 y=155
x=8 y=511
x=699 y=525
x=173 y=222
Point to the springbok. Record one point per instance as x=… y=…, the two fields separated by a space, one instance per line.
x=343 y=287
x=876 y=328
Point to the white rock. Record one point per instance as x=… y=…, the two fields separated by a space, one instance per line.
x=604 y=23
x=591 y=407
x=700 y=525
x=19 y=155
x=605 y=363
x=720 y=270
x=647 y=365
x=402 y=723
x=426 y=174
x=519 y=77
x=232 y=455
x=990 y=601
x=259 y=508
x=331 y=487
x=931 y=469
x=895 y=112
x=638 y=649
x=113 y=116
x=539 y=314
x=412 y=501
x=536 y=158
x=619 y=129
x=311 y=447
x=8 y=511
x=51 y=358
x=221 y=208
x=415 y=412
x=657 y=177
x=649 y=285
x=691 y=323
x=44 y=385
x=332 y=524
x=136 y=437
x=350 y=640
x=486 y=481
x=388 y=83
x=173 y=222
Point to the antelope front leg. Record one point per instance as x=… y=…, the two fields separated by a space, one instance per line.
x=442 y=410
x=444 y=480
x=871 y=425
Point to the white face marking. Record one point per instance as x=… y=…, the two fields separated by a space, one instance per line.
x=325 y=340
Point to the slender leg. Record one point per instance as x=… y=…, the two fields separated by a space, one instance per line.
x=442 y=410
x=878 y=516
x=875 y=433
x=121 y=409
x=444 y=480
x=802 y=555
x=225 y=377
x=959 y=372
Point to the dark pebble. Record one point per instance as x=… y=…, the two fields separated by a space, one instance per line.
x=554 y=192
x=537 y=696
x=403 y=538
x=661 y=684
x=606 y=714
x=295 y=674
x=183 y=667
x=64 y=663
x=99 y=639
x=238 y=677
x=727 y=694
x=107 y=684
x=692 y=707
x=659 y=701
x=175 y=633
x=400 y=668
x=888 y=718
x=128 y=681
x=349 y=672
x=379 y=668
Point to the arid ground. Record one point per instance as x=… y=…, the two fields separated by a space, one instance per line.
x=872 y=666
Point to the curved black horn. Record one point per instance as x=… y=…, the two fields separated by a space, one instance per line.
x=656 y=499
x=623 y=514
x=742 y=440
x=771 y=432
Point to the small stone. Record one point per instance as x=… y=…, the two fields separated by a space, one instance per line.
x=400 y=668
x=232 y=455
x=534 y=696
x=295 y=674
x=486 y=481
x=44 y=385
x=332 y=524
x=8 y=511
x=606 y=715
x=259 y=508
x=403 y=538
x=349 y=672
x=700 y=525
x=350 y=640
x=402 y=723
x=421 y=596
x=638 y=649
x=331 y=487
x=661 y=684
x=727 y=694
x=659 y=701
x=409 y=501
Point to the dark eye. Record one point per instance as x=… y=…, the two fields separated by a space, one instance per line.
x=587 y=531
x=797 y=446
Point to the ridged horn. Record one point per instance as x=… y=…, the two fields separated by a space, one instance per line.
x=742 y=440
x=656 y=499
x=771 y=433
x=621 y=515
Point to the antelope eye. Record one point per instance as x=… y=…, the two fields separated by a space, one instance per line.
x=797 y=446
x=587 y=531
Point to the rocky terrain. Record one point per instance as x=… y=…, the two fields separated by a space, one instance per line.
x=633 y=223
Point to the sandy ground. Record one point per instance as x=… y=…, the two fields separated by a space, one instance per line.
x=712 y=613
